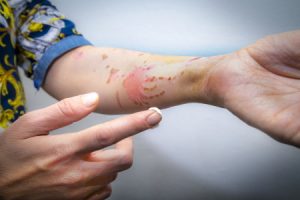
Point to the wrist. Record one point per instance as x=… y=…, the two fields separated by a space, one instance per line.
x=200 y=82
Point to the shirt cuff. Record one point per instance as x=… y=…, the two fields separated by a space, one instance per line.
x=54 y=52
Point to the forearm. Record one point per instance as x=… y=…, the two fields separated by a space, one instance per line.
x=128 y=80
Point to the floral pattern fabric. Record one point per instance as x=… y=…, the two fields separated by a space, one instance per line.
x=28 y=29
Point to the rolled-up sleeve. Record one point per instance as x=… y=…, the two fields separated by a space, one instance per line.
x=43 y=34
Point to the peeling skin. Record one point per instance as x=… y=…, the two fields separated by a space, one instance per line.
x=150 y=89
x=136 y=88
x=150 y=79
x=113 y=75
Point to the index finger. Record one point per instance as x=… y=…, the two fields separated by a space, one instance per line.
x=108 y=133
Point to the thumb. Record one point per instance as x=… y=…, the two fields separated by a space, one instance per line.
x=58 y=115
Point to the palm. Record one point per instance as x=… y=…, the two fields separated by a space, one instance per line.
x=261 y=87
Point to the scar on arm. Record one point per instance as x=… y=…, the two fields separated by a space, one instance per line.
x=118 y=99
x=113 y=75
x=104 y=56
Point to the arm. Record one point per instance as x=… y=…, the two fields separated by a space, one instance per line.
x=128 y=80
x=259 y=83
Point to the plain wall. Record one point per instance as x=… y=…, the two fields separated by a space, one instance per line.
x=198 y=151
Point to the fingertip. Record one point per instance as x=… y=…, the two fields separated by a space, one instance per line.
x=154 y=117
x=156 y=109
x=90 y=99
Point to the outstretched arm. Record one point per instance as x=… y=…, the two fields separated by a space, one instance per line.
x=260 y=83
x=129 y=80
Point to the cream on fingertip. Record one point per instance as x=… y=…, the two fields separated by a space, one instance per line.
x=155 y=117
x=156 y=109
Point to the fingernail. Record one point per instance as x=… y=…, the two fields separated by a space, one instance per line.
x=155 y=117
x=89 y=99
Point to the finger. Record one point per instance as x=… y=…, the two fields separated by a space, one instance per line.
x=124 y=147
x=101 y=180
x=119 y=162
x=101 y=194
x=63 y=113
x=86 y=191
x=111 y=132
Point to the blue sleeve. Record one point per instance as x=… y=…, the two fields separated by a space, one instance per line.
x=42 y=35
x=53 y=52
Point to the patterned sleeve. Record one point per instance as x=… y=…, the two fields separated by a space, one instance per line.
x=43 y=34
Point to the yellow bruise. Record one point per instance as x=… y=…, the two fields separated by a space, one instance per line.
x=168 y=59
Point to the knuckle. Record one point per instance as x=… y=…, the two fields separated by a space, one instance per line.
x=139 y=124
x=28 y=118
x=66 y=108
x=108 y=191
x=41 y=165
x=72 y=179
x=61 y=150
x=104 y=138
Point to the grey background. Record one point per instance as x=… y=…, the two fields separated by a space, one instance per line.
x=198 y=151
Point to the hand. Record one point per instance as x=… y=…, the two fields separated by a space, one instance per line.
x=35 y=165
x=260 y=84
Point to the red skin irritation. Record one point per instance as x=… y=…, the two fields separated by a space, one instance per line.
x=113 y=75
x=135 y=88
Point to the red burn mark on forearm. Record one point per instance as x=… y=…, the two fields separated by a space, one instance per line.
x=141 y=88
x=150 y=79
x=150 y=89
x=113 y=75
x=133 y=85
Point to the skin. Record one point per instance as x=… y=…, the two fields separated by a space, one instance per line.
x=35 y=165
x=126 y=80
x=259 y=83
